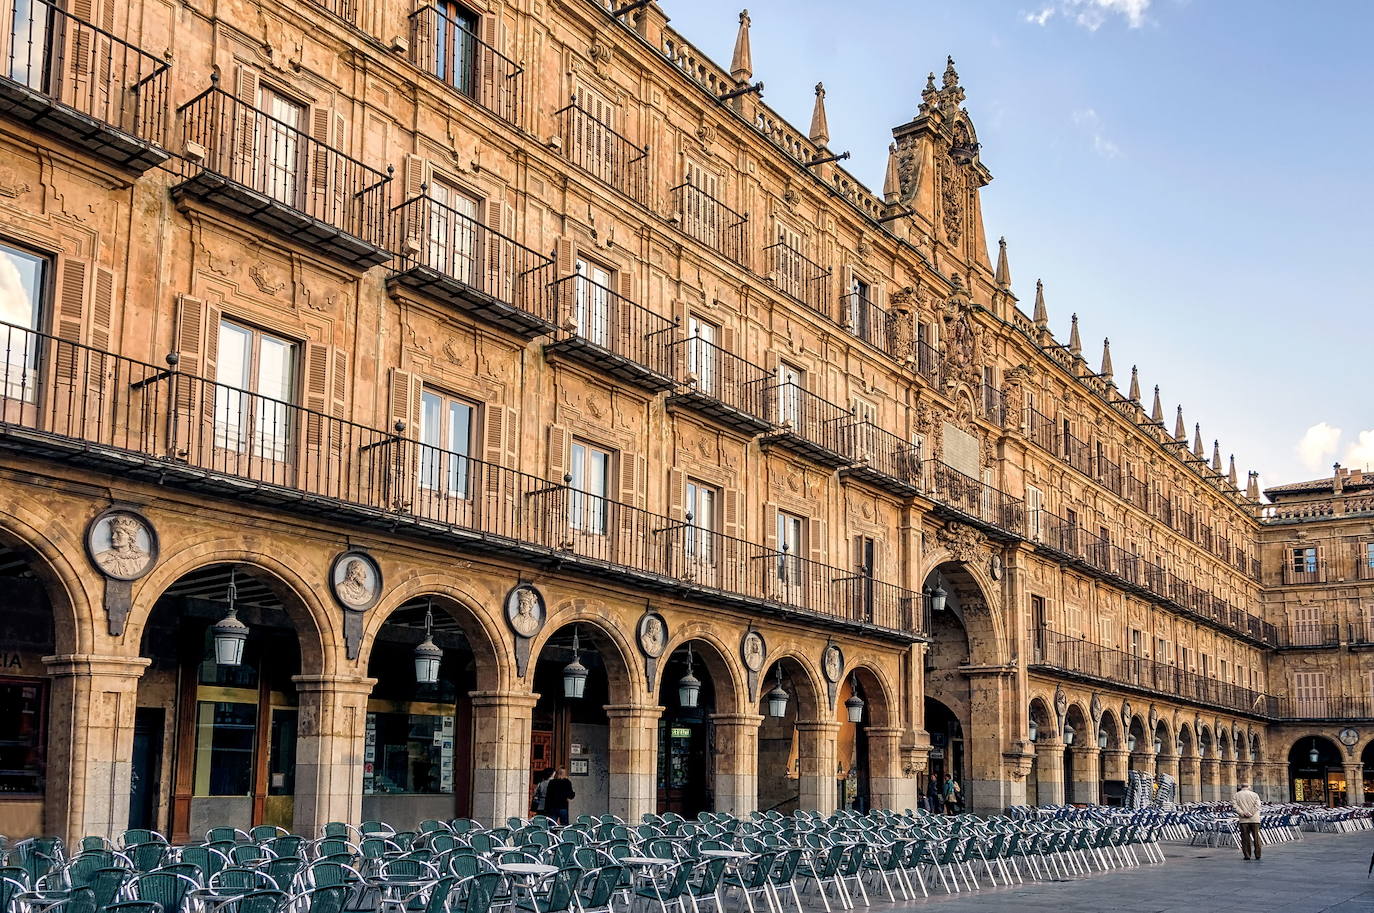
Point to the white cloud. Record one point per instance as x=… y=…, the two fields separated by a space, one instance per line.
x=1319 y=444
x=1092 y=14
x=1091 y=123
x=1360 y=455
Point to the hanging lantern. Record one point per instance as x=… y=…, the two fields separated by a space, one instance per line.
x=1034 y=729
x=1178 y=747
x=1101 y=738
x=574 y=674
x=854 y=706
x=427 y=654
x=230 y=634
x=1068 y=734
x=1159 y=745
x=777 y=698
x=1314 y=755
x=1130 y=743
x=689 y=686
x=938 y=597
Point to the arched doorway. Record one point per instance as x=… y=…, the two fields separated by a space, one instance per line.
x=1189 y=770
x=1315 y=772
x=1042 y=783
x=948 y=753
x=866 y=743
x=226 y=720
x=417 y=755
x=1081 y=754
x=686 y=735
x=789 y=695
x=580 y=671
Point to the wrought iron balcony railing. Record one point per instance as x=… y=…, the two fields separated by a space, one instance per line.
x=75 y=80
x=85 y=406
x=808 y=424
x=1077 y=454
x=866 y=320
x=276 y=175
x=928 y=362
x=798 y=276
x=1041 y=431
x=883 y=459
x=1056 y=651
x=711 y=222
x=992 y=405
x=973 y=499
x=606 y=329
x=720 y=384
x=447 y=49
x=1326 y=708
x=458 y=260
x=1298 y=634
x=594 y=146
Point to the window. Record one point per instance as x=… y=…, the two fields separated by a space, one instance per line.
x=1303 y=560
x=1035 y=502
x=701 y=511
x=1185 y=659
x=453 y=232
x=789 y=270
x=255 y=387
x=792 y=381
x=862 y=318
x=593 y=305
x=594 y=143
x=1309 y=693
x=1206 y=665
x=409 y=753
x=703 y=338
x=789 y=546
x=446 y=443
x=1038 y=625
x=1367 y=560
x=1071 y=530
x=22 y=279
x=226 y=738
x=1162 y=649
x=1305 y=629
x=702 y=215
x=590 y=477
x=455 y=46
x=1135 y=642
x=281 y=149
x=22 y=735
x=866 y=557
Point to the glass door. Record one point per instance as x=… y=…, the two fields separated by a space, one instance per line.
x=593 y=303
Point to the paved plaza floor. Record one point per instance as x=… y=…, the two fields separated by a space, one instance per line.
x=1322 y=873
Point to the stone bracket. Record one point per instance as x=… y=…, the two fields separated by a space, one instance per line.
x=352 y=632
x=650 y=673
x=522 y=655
x=118 y=602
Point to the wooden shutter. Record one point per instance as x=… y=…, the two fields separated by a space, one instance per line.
x=326 y=393
x=403 y=404
x=415 y=179
x=735 y=522
x=815 y=539
x=631 y=534
x=494 y=217
x=565 y=255
x=197 y=348
x=317 y=395
x=398 y=461
x=628 y=466
x=677 y=494
x=490 y=81
x=770 y=526
x=326 y=181
x=1321 y=563
x=69 y=323
x=560 y=453
x=247 y=88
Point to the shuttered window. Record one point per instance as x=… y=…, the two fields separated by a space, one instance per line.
x=701 y=514
x=446 y=443
x=22 y=279
x=1309 y=693
x=1035 y=503
x=255 y=386
x=590 y=470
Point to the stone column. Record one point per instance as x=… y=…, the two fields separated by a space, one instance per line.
x=634 y=759
x=1049 y=772
x=1190 y=780
x=90 y=743
x=1279 y=787
x=330 y=733
x=1226 y=780
x=887 y=788
x=1244 y=774
x=501 y=755
x=816 y=762
x=1086 y=787
x=1210 y=790
x=1354 y=783
x=992 y=741
x=1143 y=760
x=737 y=762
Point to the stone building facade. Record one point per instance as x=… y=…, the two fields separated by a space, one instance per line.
x=526 y=331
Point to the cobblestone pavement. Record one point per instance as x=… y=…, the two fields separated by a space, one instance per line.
x=1322 y=873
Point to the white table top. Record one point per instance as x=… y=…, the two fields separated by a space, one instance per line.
x=527 y=868
x=645 y=860
x=726 y=854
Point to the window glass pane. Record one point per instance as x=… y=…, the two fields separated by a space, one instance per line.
x=275 y=362
x=459 y=445
x=21 y=294
x=21 y=736
x=431 y=431
x=225 y=736
x=408 y=753
x=281 y=754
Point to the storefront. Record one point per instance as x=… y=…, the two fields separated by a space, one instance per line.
x=1315 y=773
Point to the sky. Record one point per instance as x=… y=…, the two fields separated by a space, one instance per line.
x=1191 y=177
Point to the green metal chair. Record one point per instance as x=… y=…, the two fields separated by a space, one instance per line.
x=165 y=888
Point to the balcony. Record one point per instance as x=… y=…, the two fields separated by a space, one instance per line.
x=594 y=146
x=928 y=362
x=1059 y=653
x=1308 y=636
x=808 y=425
x=83 y=406
x=1360 y=635
x=991 y=405
x=720 y=385
x=278 y=177
x=970 y=500
x=608 y=331
x=1304 y=570
x=446 y=49
x=81 y=84
x=799 y=277
x=1339 y=709
x=1077 y=454
x=710 y=221
x=1041 y=431
x=882 y=459
x=451 y=257
x=867 y=321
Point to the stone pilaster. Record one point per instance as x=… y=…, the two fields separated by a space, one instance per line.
x=816 y=754
x=634 y=759
x=887 y=787
x=1277 y=783
x=1210 y=774
x=1354 y=783
x=1049 y=772
x=1167 y=765
x=330 y=734
x=501 y=754
x=1143 y=760
x=90 y=743
x=1226 y=779
x=1189 y=780
x=737 y=762
x=1086 y=786
x=992 y=742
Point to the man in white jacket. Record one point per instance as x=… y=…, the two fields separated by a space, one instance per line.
x=1247 y=806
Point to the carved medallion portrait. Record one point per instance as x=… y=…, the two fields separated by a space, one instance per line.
x=752 y=651
x=356 y=580
x=122 y=544
x=832 y=663
x=525 y=612
x=652 y=634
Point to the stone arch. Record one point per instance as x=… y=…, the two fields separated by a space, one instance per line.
x=810 y=690
x=74 y=598
x=877 y=693
x=1138 y=728
x=1257 y=748
x=490 y=645
x=1040 y=710
x=1223 y=737
x=1165 y=736
x=727 y=676
x=317 y=627
x=1185 y=735
x=1109 y=723
x=975 y=600
x=1078 y=718
x=1205 y=743
x=596 y=630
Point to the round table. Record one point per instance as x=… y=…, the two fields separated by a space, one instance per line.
x=526 y=873
x=732 y=860
x=646 y=863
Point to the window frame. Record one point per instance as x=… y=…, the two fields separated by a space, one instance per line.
x=441 y=451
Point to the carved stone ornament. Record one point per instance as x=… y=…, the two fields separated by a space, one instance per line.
x=753 y=651
x=525 y=610
x=995 y=566
x=121 y=544
x=832 y=663
x=1154 y=717
x=963 y=542
x=1061 y=704
x=1095 y=708
x=652 y=634
x=952 y=201
x=1125 y=718
x=355 y=580
x=1349 y=736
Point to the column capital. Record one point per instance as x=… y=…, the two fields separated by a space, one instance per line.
x=831 y=726
x=337 y=684
x=503 y=699
x=644 y=712
x=1356 y=766
x=70 y=664
x=743 y=720
x=884 y=732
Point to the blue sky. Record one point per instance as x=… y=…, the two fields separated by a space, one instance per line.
x=1191 y=178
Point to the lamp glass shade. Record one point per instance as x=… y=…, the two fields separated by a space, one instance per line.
x=1034 y=729
x=1178 y=747
x=230 y=636
x=574 y=680
x=428 y=656
x=688 y=690
x=1130 y=743
x=1314 y=756
x=937 y=598
x=1068 y=734
x=777 y=702
x=1101 y=738
x=1159 y=745
x=854 y=708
